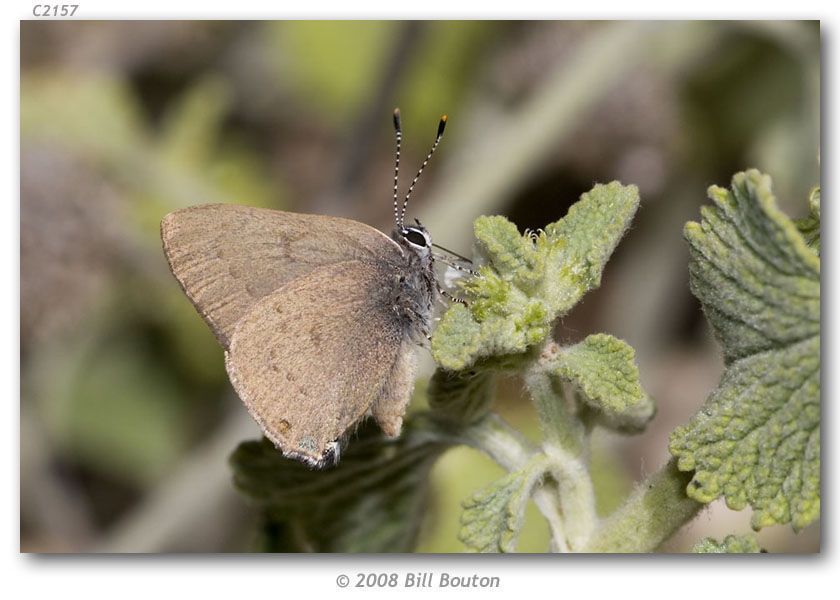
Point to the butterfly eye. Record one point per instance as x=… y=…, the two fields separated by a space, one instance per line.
x=415 y=237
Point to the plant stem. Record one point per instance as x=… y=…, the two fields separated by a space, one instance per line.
x=577 y=497
x=498 y=440
x=545 y=498
x=560 y=429
x=652 y=514
x=510 y=449
x=566 y=441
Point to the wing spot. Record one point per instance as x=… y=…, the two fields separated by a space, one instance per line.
x=274 y=360
x=308 y=444
x=283 y=426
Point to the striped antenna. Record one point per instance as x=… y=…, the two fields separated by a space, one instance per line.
x=398 y=129
x=441 y=126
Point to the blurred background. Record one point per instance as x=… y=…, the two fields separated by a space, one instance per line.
x=127 y=416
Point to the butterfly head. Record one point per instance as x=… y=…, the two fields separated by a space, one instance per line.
x=414 y=238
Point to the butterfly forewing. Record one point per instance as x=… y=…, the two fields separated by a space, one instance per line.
x=227 y=257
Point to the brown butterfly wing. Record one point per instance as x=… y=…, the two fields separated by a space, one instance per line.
x=227 y=257
x=310 y=359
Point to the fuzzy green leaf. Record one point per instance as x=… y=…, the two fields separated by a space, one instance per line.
x=757 y=439
x=809 y=227
x=732 y=544
x=604 y=371
x=529 y=280
x=460 y=341
x=492 y=518
x=750 y=267
x=514 y=257
x=582 y=242
x=373 y=501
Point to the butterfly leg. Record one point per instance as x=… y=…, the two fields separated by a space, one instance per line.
x=455 y=265
x=450 y=297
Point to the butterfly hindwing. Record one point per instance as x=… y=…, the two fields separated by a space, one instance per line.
x=311 y=358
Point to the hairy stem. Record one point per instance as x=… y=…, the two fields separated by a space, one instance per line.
x=509 y=448
x=498 y=440
x=651 y=515
x=560 y=428
x=577 y=498
x=566 y=441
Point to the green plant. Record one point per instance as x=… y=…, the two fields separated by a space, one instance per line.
x=756 y=441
